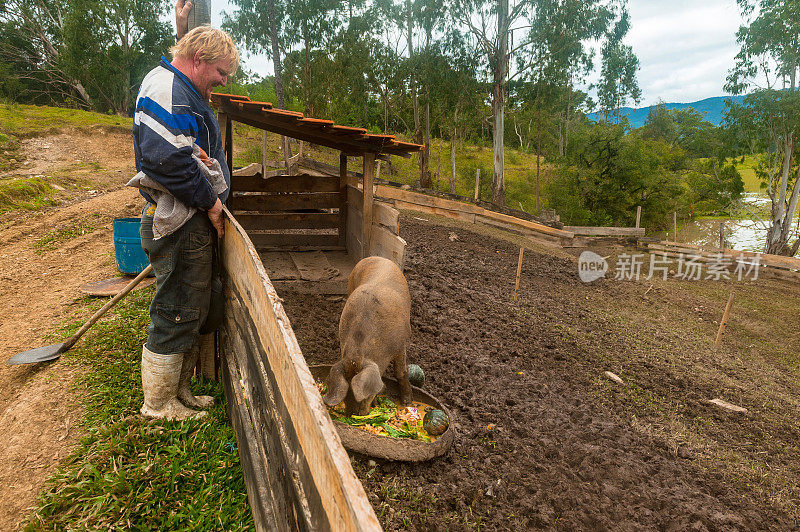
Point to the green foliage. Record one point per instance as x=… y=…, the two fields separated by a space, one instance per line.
x=608 y=173
x=132 y=474
x=84 y=53
x=684 y=128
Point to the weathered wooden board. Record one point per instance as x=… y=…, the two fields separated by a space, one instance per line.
x=428 y=201
x=386 y=244
x=283 y=202
x=285 y=183
x=290 y=423
x=537 y=236
x=604 y=231
x=288 y=220
x=287 y=240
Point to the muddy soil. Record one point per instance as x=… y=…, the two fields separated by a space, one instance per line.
x=44 y=258
x=543 y=439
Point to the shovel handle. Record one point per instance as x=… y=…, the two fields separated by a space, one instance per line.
x=124 y=292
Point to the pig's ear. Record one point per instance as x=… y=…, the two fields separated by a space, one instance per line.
x=337 y=385
x=367 y=382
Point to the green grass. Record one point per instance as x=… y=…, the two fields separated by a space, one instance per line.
x=747 y=170
x=32 y=193
x=133 y=474
x=31 y=120
x=51 y=240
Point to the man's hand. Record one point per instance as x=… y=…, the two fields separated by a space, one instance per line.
x=215 y=215
x=182 y=8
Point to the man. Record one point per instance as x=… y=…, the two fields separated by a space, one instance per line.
x=173 y=123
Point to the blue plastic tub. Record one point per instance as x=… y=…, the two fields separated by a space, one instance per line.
x=131 y=258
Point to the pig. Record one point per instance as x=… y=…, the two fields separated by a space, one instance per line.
x=374 y=329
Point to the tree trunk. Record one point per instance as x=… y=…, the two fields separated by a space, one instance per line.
x=538 y=155
x=453 y=155
x=498 y=106
x=274 y=30
x=309 y=108
x=777 y=238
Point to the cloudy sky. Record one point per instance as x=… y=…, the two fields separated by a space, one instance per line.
x=685 y=47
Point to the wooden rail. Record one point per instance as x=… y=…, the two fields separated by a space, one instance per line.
x=297 y=473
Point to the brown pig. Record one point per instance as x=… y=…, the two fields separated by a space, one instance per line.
x=374 y=329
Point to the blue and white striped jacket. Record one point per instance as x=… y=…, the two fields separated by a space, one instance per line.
x=171 y=116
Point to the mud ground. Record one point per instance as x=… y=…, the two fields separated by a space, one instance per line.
x=544 y=440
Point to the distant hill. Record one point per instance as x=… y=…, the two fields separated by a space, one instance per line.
x=711 y=107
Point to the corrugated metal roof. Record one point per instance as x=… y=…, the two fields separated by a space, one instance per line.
x=351 y=140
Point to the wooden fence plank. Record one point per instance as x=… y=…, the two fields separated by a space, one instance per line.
x=288 y=220
x=341 y=496
x=605 y=231
x=270 y=240
x=283 y=202
x=285 y=183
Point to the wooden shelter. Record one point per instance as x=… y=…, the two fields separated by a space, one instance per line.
x=308 y=205
x=297 y=473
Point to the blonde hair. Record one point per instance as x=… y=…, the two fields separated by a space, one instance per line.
x=213 y=44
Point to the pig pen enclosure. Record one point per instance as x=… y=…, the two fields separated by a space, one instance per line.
x=542 y=439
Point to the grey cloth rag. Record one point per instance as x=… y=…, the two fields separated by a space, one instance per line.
x=171 y=213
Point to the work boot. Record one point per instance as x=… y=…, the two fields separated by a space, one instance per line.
x=184 y=391
x=160 y=377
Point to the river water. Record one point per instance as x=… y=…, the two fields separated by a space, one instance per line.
x=744 y=233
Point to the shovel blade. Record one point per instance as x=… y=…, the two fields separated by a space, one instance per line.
x=40 y=354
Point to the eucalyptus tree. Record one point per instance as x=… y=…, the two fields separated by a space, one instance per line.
x=311 y=24
x=767 y=122
x=618 y=82
x=552 y=39
x=90 y=52
x=257 y=27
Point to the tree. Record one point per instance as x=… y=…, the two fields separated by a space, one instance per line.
x=256 y=26
x=90 y=52
x=608 y=173
x=618 y=73
x=767 y=121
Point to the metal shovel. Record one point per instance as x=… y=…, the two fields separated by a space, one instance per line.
x=52 y=352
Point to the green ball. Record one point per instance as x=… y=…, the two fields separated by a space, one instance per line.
x=416 y=376
x=435 y=422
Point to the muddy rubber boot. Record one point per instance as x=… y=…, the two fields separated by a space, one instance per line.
x=185 y=394
x=160 y=377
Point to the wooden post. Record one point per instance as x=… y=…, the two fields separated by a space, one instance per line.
x=675 y=225
x=343 y=199
x=477 y=182
x=264 y=154
x=369 y=182
x=722 y=235
x=226 y=132
x=724 y=322
x=519 y=272
x=207 y=361
x=638 y=215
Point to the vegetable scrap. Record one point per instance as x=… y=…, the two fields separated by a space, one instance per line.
x=386 y=418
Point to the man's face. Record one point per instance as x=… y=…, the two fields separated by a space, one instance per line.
x=209 y=75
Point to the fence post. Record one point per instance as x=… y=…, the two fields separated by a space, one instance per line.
x=477 y=182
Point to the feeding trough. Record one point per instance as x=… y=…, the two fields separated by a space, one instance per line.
x=388 y=447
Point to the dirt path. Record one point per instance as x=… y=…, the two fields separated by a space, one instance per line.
x=44 y=259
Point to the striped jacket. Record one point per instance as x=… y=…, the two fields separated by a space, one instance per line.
x=170 y=117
